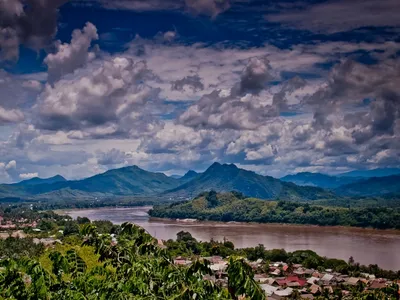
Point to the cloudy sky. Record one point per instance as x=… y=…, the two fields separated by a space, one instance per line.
x=169 y=85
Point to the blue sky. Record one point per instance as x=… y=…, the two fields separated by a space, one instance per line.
x=274 y=86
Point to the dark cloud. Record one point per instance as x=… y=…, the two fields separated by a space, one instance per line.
x=242 y=107
x=192 y=81
x=255 y=75
x=69 y=57
x=32 y=23
x=112 y=157
x=207 y=7
x=199 y=7
x=348 y=85
x=100 y=101
x=339 y=15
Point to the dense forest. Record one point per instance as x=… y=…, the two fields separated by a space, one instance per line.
x=235 y=206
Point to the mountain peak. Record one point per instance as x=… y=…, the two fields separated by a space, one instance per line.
x=217 y=166
x=37 y=180
x=190 y=173
x=189 y=176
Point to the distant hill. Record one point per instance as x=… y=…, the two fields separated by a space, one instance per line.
x=37 y=180
x=189 y=176
x=234 y=206
x=375 y=186
x=224 y=178
x=372 y=173
x=118 y=182
x=125 y=181
x=318 y=179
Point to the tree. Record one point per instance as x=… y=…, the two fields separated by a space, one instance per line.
x=241 y=280
x=212 y=199
x=71 y=228
x=83 y=220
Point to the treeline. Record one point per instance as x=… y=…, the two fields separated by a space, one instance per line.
x=234 y=206
x=51 y=204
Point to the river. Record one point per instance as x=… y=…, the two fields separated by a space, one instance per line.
x=367 y=246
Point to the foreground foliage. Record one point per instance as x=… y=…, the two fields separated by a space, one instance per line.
x=131 y=266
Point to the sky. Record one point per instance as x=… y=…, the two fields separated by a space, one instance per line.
x=276 y=87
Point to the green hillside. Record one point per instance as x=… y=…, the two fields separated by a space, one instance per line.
x=224 y=178
x=318 y=179
x=372 y=187
x=233 y=206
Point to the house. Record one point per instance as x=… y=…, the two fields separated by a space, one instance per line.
x=216 y=259
x=261 y=278
x=181 y=261
x=312 y=280
x=329 y=289
x=284 y=293
x=317 y=274
x=315 y=289
x=277 y=272
x=269 y=290
x=377 y=284
x=271 y=281
x=300 y=281
x=285 y=268
x=293 y=284
x=300 y=272
x=353 y=280
x=309 y=271
x=296 y=266
x=281 y=282
x=327 y=278
x=220 y=267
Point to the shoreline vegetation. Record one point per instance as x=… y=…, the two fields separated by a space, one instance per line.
x=352 y=228
x=234 y=206
x=100 y=260
x=238 y=223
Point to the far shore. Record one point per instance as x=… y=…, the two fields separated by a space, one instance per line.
x=236 y=223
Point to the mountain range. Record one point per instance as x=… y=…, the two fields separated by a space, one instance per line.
x=318 y=179
x=224 y=178
x=331 y=182
x=134 y=181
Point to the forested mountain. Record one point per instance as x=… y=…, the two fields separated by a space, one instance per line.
x=318 y=179
x=223 y=178
x=372 y=187
x=234 y=206
x=383 y=172
x=37 y=181
x=188 y=176
x=125 y=181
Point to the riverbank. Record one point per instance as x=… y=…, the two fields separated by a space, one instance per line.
x=193 y=220
x=368 y=246
x=280 y=225
x=227 y=207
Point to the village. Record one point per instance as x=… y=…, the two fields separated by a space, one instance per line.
x=284 y=281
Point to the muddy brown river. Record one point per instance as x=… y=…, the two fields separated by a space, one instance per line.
x=367 y=246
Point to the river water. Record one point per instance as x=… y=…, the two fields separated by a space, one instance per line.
x=367 y=246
